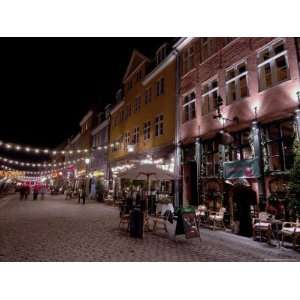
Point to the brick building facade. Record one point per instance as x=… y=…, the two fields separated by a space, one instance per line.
x=238 y=103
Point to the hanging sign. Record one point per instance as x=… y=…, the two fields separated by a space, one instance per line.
x=247 y=168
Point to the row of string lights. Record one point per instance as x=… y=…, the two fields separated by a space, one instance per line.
x=39 y=165
x=27 y=149
x=36 y=173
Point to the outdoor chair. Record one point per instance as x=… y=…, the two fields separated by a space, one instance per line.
x=124 y=221
x=262 y=227
x=290 y=230
x=160 y=221
x=201 y=214
x=216 y=219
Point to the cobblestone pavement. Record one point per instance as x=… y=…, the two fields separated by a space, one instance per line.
x=55 y=229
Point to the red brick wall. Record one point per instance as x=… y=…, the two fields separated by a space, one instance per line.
x=278 y=101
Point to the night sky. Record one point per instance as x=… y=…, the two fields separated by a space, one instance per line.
x=48 y=84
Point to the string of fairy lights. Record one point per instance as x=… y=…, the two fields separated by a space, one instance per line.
x=39 y=165
x=34 y=150
x=48 y=167
x=37 y=173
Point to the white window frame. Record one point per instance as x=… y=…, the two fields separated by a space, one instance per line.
x=209 y=93
x=272 y=62
x=126 y=139
x=136 y=136
x=159 y=124
x=237 y=81
x=184 y=105
x=147 y=130
x=188 y=59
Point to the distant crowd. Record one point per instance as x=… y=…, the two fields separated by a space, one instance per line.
x=25 y=190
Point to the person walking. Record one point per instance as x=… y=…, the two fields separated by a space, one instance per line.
x=35 y=192
x=43 y=191
x=79 y=194
x=26 y=191
x=83 y=194
x=22 y=192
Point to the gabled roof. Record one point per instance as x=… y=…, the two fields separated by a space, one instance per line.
x=137 y=58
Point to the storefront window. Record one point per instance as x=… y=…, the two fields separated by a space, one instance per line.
x=240 y=148
x=210 y=159
x=279 y=138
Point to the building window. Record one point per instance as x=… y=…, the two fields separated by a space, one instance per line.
x=279 y=139
x=240 y=148
x=207 y=47
x=237 y=83
x=188 y=59
x=147 y=130
x=210 y=159
x=126 y=140
x=273 y=65
x=136 y=135
x=159 y=125
x=160 y=87
x=148 y=95
x=161 y=54
x=189 y=111
x=210 y=92
x=137 y=104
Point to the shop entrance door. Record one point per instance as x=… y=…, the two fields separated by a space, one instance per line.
x=243 y=198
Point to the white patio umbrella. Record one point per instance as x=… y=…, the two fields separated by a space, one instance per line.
x=147 y=170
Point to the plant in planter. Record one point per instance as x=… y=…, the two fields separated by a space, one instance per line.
x=294 y=184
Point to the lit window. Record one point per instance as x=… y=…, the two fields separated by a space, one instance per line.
x=278 y=142
x=237 y=83
x=147 y=130
x=126 y=140
x=136 y=135
x=210 y=93
x=159 y=125
x=189 y=111
x=273 y=65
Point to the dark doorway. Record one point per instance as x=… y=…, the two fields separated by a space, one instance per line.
x=192 y=166
x=243 y=198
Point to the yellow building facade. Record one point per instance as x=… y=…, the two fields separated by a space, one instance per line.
x=143 y=122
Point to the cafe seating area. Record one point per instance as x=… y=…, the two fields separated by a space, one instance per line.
x=210 y=218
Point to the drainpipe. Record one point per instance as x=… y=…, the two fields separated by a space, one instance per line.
x=178 y=152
